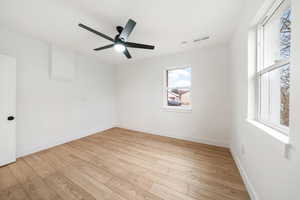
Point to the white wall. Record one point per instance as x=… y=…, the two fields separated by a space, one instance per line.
x=140 y=96
x=270 y=176
x=51 y=112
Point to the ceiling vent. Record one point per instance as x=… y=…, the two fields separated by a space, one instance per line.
x=184 y=42
x=201 y=39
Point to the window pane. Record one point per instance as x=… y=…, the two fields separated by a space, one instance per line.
x=264 y=97
x=285 y=34
x=285 y=95
x=275 y=95
x=179 y=97
x=274 y=78
x=179 y=77
x=277 y=36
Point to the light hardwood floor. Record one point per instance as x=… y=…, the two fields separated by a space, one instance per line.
x=119 y=164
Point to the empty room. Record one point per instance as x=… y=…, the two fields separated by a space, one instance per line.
x=149 y=100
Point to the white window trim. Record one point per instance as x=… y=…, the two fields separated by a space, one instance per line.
x=274 y=133
x=165 y=91
x=278 y=64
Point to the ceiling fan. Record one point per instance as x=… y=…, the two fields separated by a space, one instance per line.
x=120 y=42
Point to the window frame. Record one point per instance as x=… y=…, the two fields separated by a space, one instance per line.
x=165 y=90
x=261 y=69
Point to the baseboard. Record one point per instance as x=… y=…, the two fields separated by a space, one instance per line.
x=203 y=141
x=245 y=177
x=59 y=142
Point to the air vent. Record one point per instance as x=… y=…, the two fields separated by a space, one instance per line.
x=201 y=39
x=184 y=42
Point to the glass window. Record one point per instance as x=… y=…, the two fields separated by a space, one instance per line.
x=178 y=87
x=274 y=50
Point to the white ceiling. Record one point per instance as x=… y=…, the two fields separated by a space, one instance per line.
x=164 y=23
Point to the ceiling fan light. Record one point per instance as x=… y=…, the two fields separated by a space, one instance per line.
x=119 y=47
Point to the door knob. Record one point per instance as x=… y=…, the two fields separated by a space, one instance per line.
x=10 y=118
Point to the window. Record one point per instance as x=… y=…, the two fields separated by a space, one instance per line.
x=177 y=90
x=273 y=67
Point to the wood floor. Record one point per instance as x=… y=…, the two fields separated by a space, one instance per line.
x=119 y=164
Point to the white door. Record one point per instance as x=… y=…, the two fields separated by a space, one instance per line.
x=7 y=110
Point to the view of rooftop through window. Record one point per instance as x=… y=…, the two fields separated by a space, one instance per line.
x=179 y=87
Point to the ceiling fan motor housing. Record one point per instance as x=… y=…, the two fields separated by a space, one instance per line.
x=119 y=40
x=119 y=29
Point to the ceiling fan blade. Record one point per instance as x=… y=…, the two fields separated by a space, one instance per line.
x=140 y=46
x=127 y=30
x=96 y=32
x=105 y=47
x=127 y=54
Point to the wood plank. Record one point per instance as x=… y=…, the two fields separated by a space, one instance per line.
x=14 y=193
x=38 y=190
x=168 y=194
x=6 y=178
x=22 y=171
x=41 y=167
x=120 y=164
x=91 y=185
x=66 y=188
x=193 y=178
x=130 y=191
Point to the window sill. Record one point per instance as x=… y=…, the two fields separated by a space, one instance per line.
x=270 y=131
x=174 y=109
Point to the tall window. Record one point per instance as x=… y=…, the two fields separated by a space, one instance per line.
x=178 y=88
x=273 y=71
